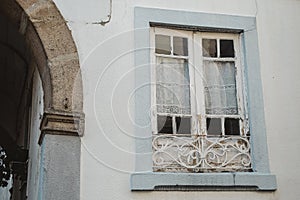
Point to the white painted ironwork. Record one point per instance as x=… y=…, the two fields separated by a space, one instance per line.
x=200 y=153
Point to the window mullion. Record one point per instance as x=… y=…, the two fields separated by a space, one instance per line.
x=153 y=108
x=191 y=63
x=199 y=87
x=174 y=124
x=218 y=48
x=172 y=46
x=223 y=126
x=241 y=100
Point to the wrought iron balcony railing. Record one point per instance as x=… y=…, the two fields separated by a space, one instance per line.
x=200 y=153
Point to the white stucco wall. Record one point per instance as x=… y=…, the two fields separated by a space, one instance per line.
x=278 y=28
x=107 y=63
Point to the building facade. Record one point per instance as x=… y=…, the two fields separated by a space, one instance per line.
x=150 y=100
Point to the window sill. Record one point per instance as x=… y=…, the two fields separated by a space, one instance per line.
x=202 y=181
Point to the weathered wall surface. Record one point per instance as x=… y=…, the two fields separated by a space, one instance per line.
x=107 y=62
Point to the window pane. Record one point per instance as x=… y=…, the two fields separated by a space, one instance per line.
x=220 y=88
x=214 y=126
x=172 y=86
x=209 y=48
x=232 y=126
x=226 y=48
x=183 y=125
x=164 y=124
x=162 y=44
x=180 y=46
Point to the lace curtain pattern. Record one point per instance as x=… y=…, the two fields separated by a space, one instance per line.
x=172 y=86
x=220 y=88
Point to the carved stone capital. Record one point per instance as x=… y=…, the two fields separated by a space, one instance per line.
x=61 y=123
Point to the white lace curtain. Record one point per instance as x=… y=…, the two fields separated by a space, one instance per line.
x=220 y=88
x=172 y=86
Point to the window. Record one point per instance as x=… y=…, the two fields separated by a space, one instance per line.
x=193 y=61
x=200 y=122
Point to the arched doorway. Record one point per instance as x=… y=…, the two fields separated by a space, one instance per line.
x=14 y=102
x=41 y=115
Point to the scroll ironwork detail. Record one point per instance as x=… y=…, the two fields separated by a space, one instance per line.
x=201 y=153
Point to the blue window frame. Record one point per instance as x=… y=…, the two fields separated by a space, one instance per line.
x=144 y=178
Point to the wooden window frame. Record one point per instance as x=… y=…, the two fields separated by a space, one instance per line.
x=195 y=64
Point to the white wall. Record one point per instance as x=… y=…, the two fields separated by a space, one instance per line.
x=279 y=30
x=35 y=149
x=107 y=67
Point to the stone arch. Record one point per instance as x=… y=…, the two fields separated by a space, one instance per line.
x=57 y=60
x=54 y=53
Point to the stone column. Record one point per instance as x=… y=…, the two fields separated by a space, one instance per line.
x=60 y=156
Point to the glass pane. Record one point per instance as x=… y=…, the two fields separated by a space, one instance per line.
x=164 y=124
x=232 y=126
x=183 y=125
x=220 y=88
x=209 y=48
x=214 y=126
x=226 y=48
x=180 y=46
x=162 y=44
x=172 y=86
